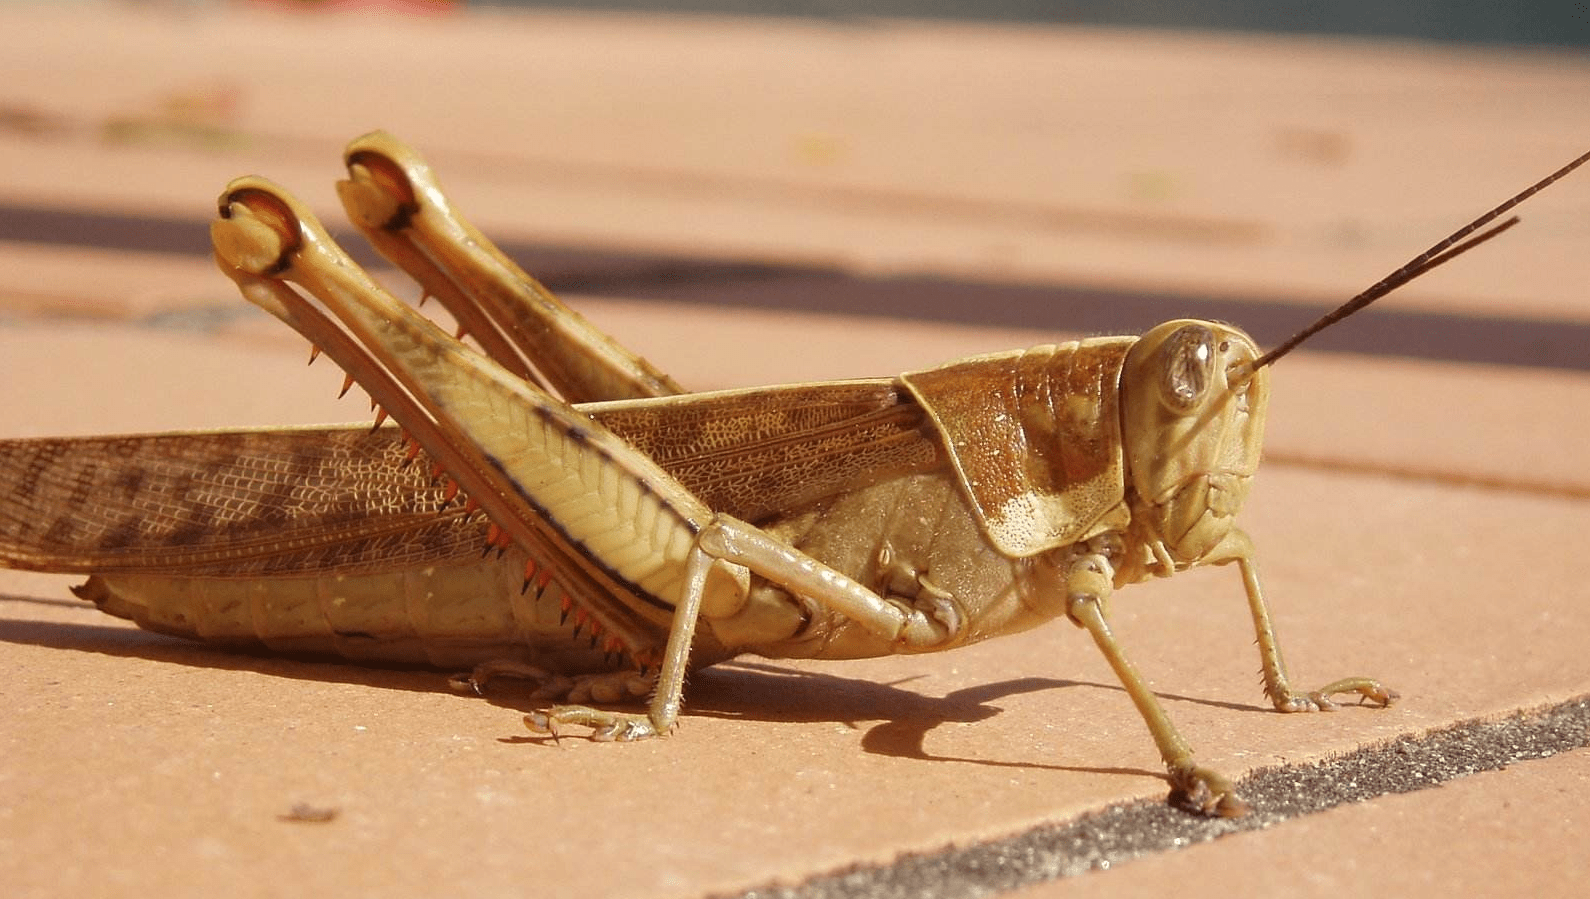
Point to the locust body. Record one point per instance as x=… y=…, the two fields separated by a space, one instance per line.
x=618 y=531
x=340 y=580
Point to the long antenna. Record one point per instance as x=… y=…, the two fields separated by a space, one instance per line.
x=1456 y=244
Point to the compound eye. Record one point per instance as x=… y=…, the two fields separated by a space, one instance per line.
x=1189 y=357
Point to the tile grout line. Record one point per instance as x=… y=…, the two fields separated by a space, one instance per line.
x=1102 y=839
x=1441 y=477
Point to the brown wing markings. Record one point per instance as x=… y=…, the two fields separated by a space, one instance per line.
x=324 y=500
x=808 y=466
x=754 y=454
x=224 y=504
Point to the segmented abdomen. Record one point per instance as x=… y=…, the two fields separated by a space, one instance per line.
x=449 y=616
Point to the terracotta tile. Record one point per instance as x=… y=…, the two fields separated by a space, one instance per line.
x=1265 y=167
x=1492 y=834
x=138 y=764
x=108 y=379
x=81 y=282
x=1508 y=427
x=779 y=770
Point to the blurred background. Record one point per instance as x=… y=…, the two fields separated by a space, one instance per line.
x=782 y=192
x=1469 y=21
x=1065 y=167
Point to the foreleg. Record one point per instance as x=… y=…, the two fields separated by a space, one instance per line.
x=1276 y=684
x=1088 y=586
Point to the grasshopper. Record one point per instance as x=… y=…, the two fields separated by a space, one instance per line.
x=550 y=506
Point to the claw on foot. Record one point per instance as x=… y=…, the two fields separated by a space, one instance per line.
x=622 y=727
x=1368 y=691
x=1204 y=792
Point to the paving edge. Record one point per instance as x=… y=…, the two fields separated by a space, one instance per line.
x=1119 y=833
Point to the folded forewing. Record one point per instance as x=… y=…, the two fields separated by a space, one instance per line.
x=226 y=504
x=758 y=453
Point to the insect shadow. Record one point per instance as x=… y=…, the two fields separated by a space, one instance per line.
x=897 y=720
x=127 y=641
x=904 y=718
